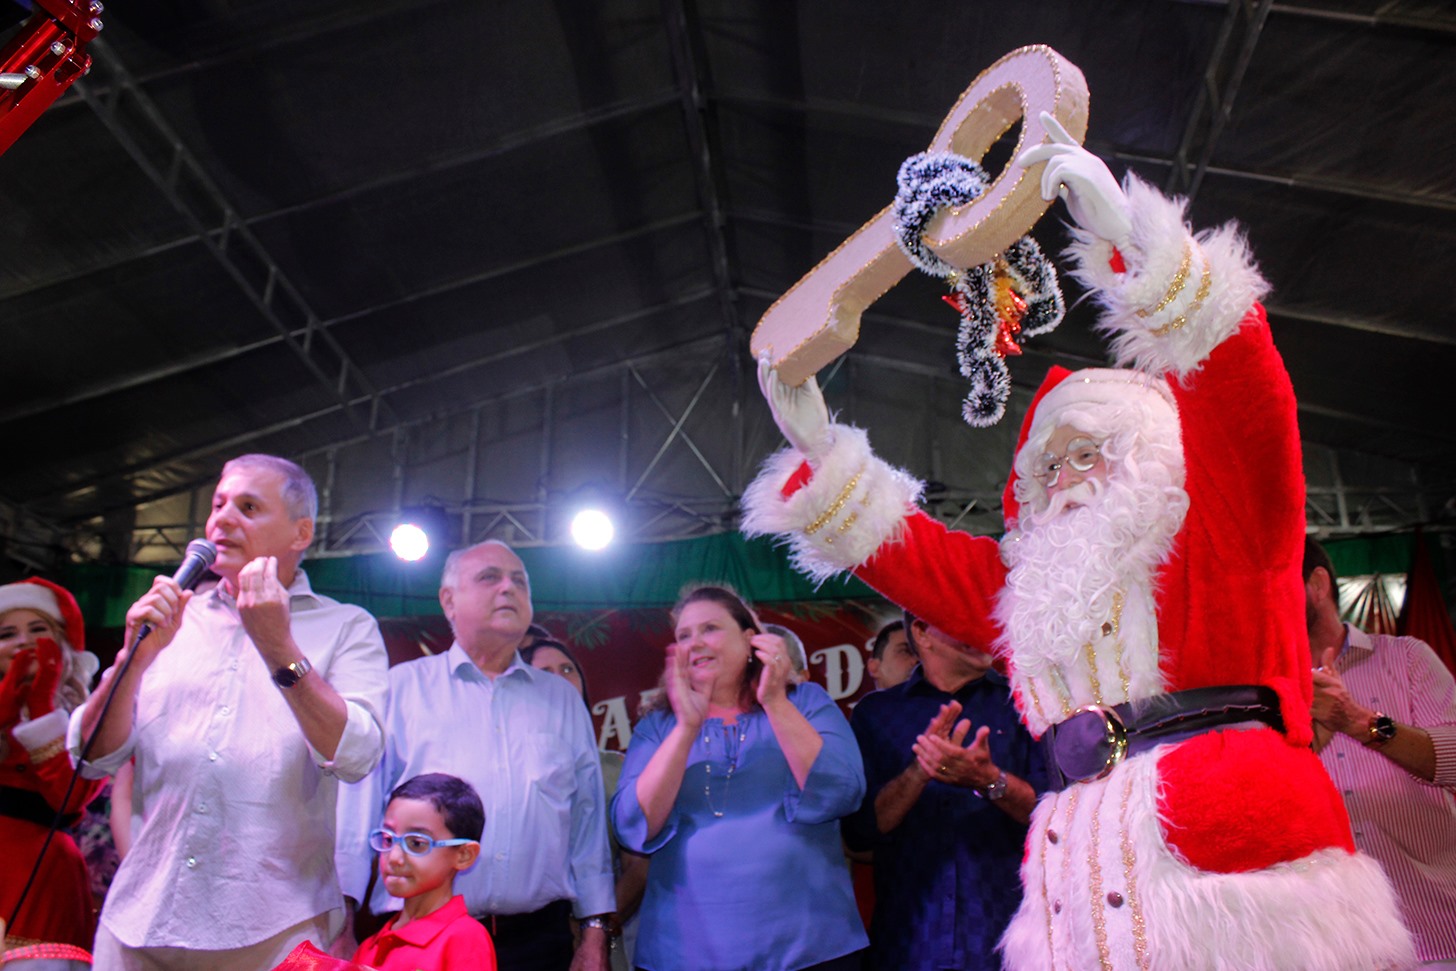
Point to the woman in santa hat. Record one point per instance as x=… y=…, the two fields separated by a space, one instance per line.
x=45 y=672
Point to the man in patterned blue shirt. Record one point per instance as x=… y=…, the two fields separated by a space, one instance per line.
x=953 y=776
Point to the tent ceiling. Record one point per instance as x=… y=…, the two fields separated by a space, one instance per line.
x=488 y=253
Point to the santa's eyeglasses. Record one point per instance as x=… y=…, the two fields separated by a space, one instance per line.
x=415 y=844
x=1082 y=455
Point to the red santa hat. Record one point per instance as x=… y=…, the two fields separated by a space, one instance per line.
x=50 y=599
x=1064 y=391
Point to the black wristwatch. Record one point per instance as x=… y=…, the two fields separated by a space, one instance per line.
x=1382 y=730
x=290 y=674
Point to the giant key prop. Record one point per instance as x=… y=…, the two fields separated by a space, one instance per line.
x=818 y=318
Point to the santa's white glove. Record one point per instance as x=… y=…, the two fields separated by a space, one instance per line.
x=799 y=412
x=1093 y=197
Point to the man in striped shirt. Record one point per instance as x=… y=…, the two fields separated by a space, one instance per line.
x=1385 y=729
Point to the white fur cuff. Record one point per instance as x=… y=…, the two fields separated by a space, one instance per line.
x=1181 y=296
x=854 y=504
x=39 y=734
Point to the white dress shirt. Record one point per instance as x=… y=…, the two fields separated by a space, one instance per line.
x=1405 y=822
x=524 y=740
x=235 y=810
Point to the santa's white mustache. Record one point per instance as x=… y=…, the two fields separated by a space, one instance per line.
x=1084 y=493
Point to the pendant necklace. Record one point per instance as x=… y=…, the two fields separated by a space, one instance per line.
x=731 y=745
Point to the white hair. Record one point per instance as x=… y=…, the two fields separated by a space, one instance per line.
x=300 y=496
x=450 y=575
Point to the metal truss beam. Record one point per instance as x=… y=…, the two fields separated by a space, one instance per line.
x=673 y=353
x=128 y=113
x=500 y=146
x=707 y=168
x=31 y=541
x=1214 y=105
x=219 y=445
x=222 y=355
x=677 y=423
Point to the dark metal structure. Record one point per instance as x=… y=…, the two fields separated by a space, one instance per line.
x=503 y=257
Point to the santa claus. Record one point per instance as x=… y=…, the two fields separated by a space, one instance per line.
x=1147 y=595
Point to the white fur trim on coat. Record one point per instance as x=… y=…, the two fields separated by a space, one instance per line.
x=1103 y=890
x=1174 y=338
x=835 y=522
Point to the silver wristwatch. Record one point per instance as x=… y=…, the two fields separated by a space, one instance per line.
x=996 y=790
x=290 y=674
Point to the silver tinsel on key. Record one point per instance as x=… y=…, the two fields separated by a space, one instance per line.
x=1016 y=293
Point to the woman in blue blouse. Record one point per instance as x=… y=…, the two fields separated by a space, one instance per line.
x=736 y=792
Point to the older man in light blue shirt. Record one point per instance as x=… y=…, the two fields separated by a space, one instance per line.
x=524 y=740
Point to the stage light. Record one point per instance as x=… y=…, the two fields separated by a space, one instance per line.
x=420 y=531
x=592 y=529
x=409 y=542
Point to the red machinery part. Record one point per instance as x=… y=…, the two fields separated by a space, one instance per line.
x=42 y=60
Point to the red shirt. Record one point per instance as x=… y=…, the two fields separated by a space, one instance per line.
x=447 y=940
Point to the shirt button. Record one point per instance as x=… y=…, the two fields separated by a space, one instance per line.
x=212 y=756
x=202 y=807
x=500 y=856
x=225 y=709
x=192 y=863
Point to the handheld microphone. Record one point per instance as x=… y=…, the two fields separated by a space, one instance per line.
x=199 y=556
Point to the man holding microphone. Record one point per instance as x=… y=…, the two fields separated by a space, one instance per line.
x=242 y=708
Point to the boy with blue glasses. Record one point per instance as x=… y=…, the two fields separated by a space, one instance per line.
x=431 y=831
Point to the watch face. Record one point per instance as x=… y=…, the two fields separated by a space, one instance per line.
x=1384 y=728
x=290 y=675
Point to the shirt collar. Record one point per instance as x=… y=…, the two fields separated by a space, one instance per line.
x=462 y=667
x=421 y=931
x=917 y=682
x=1357 y=640
x=299 y=589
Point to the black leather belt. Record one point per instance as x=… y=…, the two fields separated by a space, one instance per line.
x=549 y=920
x=31 y=806
x=1092 y=740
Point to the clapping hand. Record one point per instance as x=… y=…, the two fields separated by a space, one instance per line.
x=41 y=699
x=1334 y=709
x=773 y=680
x=942 y=754
x=689 y=702
x=12 y=691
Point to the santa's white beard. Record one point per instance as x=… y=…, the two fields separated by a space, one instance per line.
x=1069 y=560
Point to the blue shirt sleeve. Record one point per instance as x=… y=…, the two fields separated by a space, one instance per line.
x=836 y=781
x=628 y=820
x=591 y=861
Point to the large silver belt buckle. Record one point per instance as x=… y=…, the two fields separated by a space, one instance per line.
x=1082 y=755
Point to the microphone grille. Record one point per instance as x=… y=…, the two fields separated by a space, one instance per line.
x=204 y=550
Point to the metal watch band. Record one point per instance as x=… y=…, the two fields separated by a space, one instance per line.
x=996 y=789
x=290 y=674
